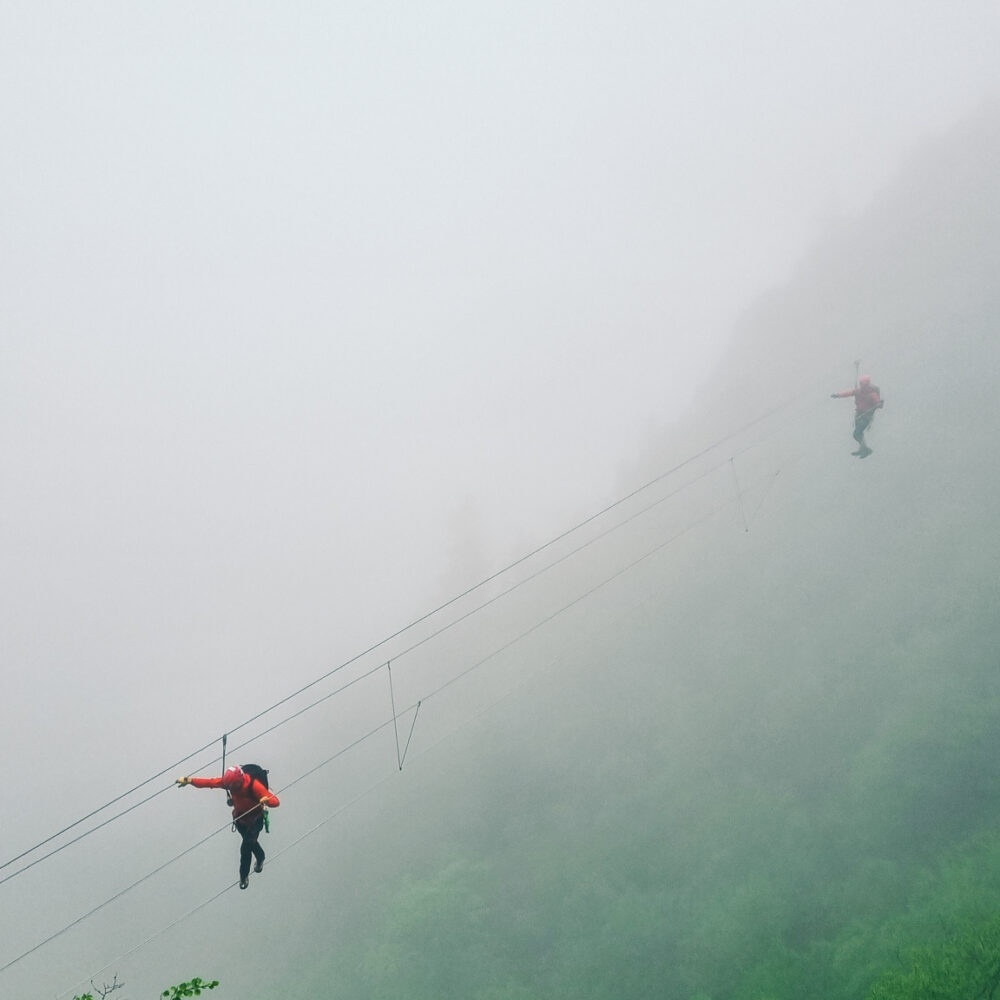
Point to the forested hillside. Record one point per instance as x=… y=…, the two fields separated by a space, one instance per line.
x=771 y=771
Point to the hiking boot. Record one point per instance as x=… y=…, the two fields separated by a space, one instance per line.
x=258 y=867
x=244 y=882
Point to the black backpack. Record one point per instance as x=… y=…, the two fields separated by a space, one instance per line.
x=256 y=772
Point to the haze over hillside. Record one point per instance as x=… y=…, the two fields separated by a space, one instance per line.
x=757 y=719
x=777 y=725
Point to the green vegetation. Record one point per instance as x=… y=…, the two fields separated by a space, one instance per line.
x=194 y=988
x=966 y=965
x=191 y=988
x=821 y=825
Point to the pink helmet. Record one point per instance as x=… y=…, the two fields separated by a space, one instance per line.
x=234 y=777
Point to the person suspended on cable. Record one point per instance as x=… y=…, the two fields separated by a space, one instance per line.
x=248 y=794
x=867 y=399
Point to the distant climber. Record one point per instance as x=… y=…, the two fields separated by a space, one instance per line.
x=867 y=399
x=248 y=794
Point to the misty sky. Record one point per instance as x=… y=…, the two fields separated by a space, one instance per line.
x=314 y=314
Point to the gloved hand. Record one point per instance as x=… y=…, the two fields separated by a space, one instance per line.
x=833 y=395
x=183 y=781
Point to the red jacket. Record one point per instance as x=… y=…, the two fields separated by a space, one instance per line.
x=247 y=793
x=866 y=397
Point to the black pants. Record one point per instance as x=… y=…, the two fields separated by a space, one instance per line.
x=250 y=832
x=861 y=423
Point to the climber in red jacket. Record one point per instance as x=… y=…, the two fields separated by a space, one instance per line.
x=248 y=793
x=867 y=399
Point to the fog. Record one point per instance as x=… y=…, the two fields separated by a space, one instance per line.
x=313 y=320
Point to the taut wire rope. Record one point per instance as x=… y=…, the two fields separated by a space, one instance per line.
x=382 y=642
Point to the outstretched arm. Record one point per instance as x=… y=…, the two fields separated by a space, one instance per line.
x=200 y=782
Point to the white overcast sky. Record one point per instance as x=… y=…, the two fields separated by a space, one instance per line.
x=311 y=313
